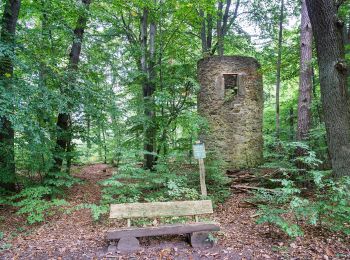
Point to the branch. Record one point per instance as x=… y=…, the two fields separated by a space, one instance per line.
x=225 y=17
x=129 y=33
x=235 y=14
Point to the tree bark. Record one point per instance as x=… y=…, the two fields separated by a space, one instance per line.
x=151 y=130
x=291 y=123
x=7 y=153
x=305 y=82
x=219 y=32
x=104 y=143
x=209 y=31
x=203 y=32
x=328 y=32
x=278 y=72
x=64 y=121
x=148 y=68
x=146 y=64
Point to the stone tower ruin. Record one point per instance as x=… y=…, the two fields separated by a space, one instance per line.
x=231 y=99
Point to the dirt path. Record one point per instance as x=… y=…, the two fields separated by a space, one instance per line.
x=77 y=236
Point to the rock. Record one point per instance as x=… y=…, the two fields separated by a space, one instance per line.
x=112 y=249
x=128 y=244
x=201 y=240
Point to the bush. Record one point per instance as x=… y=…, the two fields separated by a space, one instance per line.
x=169 y=181
x=34 y=202
x=306 y=196
x=37 y=201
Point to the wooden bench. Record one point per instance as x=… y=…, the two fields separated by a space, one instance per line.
x=198 y=232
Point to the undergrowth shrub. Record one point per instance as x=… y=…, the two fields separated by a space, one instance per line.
x=35 y=203
x=303 y=196
x=38 y=200
x=168 y=182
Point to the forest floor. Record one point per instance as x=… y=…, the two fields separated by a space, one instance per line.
x=77 y=236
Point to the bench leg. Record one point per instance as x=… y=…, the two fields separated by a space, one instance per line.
x=128 y=244
x=201 y=240
x=112 y=248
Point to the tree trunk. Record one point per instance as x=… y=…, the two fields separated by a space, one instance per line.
x=219 y=32
x=64 y=122
x=7 y=153
x=305 y=82
x=278 y=73
x=291 y=124
x=224 y=27
x=209 y=31
x=104 y=143
x=69 y=155
x=203 y=32
x=148 y=85
x=88 y=130
x=223 y=24
x=43 y=115
x=151 y=130
x=328 y=34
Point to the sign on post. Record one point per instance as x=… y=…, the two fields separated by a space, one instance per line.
x=198 y=150
x=199 y=154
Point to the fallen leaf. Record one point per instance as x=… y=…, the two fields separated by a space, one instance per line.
x=329 y=251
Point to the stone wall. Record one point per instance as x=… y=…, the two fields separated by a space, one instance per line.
x=235 y=120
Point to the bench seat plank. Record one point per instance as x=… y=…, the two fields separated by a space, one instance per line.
x=161 y=209
x=174 y=229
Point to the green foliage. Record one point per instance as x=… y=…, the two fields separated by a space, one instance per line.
x=211 y=238
x=5 y=246
x=290 y=205
x=273 y=216
x=216 y=179
x=133 y=184
x=96 y=211
x=35 y=203
x=168 y=182
x=282 y=154
x=178 y=191
x=59 y=181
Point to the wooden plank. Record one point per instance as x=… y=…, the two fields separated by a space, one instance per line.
x=161 y=209
x=175 y=229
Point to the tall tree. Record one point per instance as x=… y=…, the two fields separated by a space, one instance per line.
x=146 y=64
x=7 y=40
x=305 y=81
x=225 y=24
x=328 y=32
x=224 y=21
x=278 y=72
x=64 y=120
x=149 y=86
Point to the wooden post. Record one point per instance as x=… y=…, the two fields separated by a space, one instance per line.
x=199 y=153
x=202 y=177
x=196 y=218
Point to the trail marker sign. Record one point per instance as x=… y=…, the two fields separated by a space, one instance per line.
x=199 y=151
x=199 y=154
